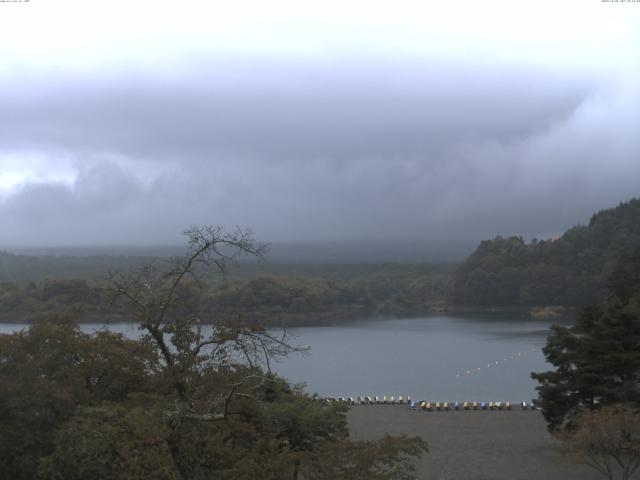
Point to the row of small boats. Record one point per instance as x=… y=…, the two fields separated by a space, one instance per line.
x=446 y=406
x=433 y=406
x=401 y=400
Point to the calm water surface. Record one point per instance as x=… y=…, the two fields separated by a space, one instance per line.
x=439 y=358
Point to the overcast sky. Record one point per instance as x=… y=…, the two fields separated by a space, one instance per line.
x=125 y=122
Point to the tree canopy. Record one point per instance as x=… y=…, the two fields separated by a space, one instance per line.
x=569 y=270
x=597 y=361
x=180 y=403
x=272 y=294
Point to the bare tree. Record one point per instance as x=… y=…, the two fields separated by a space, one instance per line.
x=161 y=300
x=607 y=440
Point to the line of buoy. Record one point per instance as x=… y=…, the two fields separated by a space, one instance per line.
x=492 y=364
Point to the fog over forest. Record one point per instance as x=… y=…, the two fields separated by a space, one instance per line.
x=372 y=128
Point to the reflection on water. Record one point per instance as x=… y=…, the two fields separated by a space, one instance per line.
x=439 y=358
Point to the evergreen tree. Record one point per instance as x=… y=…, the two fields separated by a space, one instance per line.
x=569 y=270
x=598 y=359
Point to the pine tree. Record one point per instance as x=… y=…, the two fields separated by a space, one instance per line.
x=598 y=359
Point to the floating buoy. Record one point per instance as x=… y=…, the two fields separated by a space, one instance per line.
x=433 y=406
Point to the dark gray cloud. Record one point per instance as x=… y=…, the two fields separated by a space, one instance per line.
x=344 y=150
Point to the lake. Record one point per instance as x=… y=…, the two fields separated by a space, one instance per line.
x=438 y=358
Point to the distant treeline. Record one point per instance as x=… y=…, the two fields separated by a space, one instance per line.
x=283 y=259
x=398 y=290
x=40 y=267
x=570 y=270
x=504 y=272
x=322 y=294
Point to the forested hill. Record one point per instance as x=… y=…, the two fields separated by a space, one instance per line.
x=33 y=268
x=570 y=270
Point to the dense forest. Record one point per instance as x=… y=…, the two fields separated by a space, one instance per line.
x=570 y=270
x=272 y=294
x=176 y=403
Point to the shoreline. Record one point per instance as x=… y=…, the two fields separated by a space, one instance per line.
x=321 y=319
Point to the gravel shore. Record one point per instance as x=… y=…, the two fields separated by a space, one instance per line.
x=473 y=445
